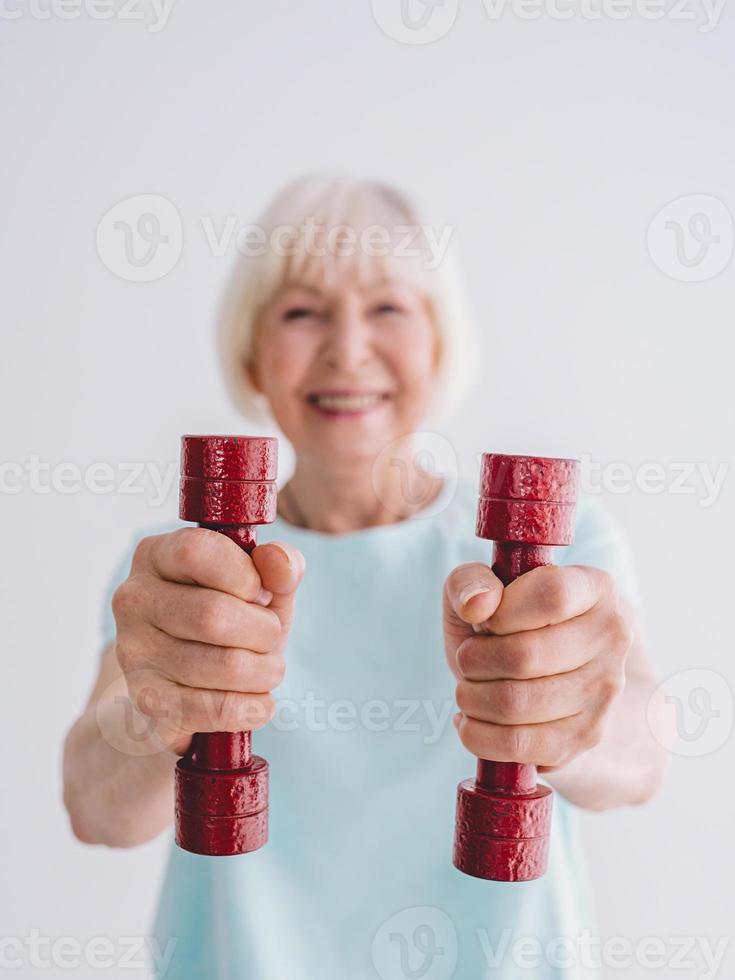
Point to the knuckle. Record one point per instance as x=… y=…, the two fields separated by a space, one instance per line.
x=141 y=552
x=126 y=655
x=224 y=710
x=277 y=672
x=611 y=686
x=462 y=697
x=516 y=743
x=621 y=632
x=512 y=700
x=124 y=600
x=555 y=594
x=466 y=655
x=468 y=737
x=258 y=711
x=524 y=654
x=215 y=618
x=273 y=630
x=233 y=667
x=189 y=546
x=591 y=734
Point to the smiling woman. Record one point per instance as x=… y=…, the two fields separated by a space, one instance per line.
x=347 y=340
x=325 y=232
x=351 y=330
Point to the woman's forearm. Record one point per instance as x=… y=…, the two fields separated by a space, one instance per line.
x=628 y=765
x=118 y=784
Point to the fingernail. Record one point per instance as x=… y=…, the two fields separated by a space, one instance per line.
x=283 y=551
x=470 y=592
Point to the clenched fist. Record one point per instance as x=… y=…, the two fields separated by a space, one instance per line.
x=201 y=631
x=538 y=663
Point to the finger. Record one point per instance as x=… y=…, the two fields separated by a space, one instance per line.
x=201 y=556
x=191 y=612
x=551 y=744
x=281 y=568
x=548 y=595
x=218 y=668
x=541 y=699
x=279 y=565
x=177 y=709
x=472 y=593
x=534 y=653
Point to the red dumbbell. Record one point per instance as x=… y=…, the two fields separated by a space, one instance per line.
x=503 y=821
x=221 y=788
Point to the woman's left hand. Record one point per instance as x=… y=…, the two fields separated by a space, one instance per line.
x=538 y=663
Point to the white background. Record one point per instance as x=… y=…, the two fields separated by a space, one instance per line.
x=549 y=146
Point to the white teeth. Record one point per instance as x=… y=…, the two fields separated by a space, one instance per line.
x=347 y=403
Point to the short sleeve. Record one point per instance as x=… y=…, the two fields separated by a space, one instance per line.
x=600 y=542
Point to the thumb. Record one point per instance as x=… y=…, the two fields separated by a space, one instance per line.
x=472 y=593
x=281 y=568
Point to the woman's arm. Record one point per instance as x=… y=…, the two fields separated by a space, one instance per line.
x=627 y=766
x=118 y=779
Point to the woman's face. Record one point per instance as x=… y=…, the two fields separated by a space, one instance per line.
x=346 y=370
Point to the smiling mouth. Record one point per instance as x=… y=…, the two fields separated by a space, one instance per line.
x=346 y=402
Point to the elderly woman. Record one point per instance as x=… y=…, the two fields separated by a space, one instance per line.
x=351 y=338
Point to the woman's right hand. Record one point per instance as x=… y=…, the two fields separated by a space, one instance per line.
x=201 y=631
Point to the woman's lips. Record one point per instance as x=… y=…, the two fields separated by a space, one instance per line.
x=340 y=403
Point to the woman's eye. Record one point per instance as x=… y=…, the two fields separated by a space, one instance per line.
x=297 y=313
x=387 y=308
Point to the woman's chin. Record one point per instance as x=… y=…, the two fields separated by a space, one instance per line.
x=354 y=442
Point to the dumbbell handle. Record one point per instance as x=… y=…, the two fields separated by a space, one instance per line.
x=510 y=561
x=221 y=788
x=221 y=751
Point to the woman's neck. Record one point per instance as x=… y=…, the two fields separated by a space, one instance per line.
x=349 y=496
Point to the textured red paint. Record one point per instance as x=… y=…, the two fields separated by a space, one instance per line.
x=503 y=821
x=221 y=788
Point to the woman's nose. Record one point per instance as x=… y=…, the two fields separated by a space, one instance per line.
x=349 y=341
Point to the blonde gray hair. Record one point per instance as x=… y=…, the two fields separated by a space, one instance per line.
x=346 y=209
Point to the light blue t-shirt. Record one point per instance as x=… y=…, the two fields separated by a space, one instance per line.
x=356 y=880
